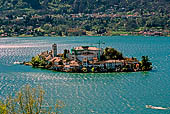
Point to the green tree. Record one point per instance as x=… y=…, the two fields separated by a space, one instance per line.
x=37 y=62
x=29 y=101
x=111 y=53
x=146 y=64
x=3 y=109
x=65 y=53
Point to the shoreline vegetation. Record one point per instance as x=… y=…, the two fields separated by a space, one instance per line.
x=88 y=59
x=114 y=34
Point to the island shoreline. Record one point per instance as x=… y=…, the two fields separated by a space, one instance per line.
x=88 y=59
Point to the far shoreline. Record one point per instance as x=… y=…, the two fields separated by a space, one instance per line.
x=82 y=36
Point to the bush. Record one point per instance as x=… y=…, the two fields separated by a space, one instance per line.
x=2 y=108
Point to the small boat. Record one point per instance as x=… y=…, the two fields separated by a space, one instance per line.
x=154 y=107
x=17 y=62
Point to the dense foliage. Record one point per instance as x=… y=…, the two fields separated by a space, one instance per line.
x=146 y=64
x=111 y=53
x=84 y=17
x=37 y=62
x=87 y=6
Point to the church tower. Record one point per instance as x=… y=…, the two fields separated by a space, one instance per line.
x=54 y=50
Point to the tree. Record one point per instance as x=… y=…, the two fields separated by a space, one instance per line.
x=111 y=53
x=3 y=109
x=29 y=101
x=146 y=64
x=65 y=53
x=37 y=62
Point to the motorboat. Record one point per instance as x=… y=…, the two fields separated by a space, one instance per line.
x=154 y=107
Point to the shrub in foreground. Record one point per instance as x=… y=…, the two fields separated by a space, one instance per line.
x=29 y=101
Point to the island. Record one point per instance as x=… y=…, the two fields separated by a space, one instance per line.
x=89 y=59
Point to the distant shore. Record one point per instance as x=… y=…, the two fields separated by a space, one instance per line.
x=85 y=35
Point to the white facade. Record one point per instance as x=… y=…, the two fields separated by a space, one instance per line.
x=112 y=64
x=86 y=52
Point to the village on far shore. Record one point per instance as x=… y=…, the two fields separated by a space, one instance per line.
x=86 y=59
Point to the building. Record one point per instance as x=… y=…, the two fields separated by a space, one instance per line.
x=113 y=64
x=86 y=59
x=88 y=52
x=54 y=50
x=56 y=60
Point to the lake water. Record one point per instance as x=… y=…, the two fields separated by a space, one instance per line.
x=100 y=93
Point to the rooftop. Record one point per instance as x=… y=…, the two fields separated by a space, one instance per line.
x=86 y=48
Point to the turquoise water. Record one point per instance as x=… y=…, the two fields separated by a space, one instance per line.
x=100 y=93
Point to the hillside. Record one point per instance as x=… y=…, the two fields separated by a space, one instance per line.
x=87 y=6
x=84 y=17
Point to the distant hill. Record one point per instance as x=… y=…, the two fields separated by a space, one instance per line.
x=87 y=6
x=84 y=17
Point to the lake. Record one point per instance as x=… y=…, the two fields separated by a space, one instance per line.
x=98 y=93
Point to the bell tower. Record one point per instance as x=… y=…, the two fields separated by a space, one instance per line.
x=54 y=50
